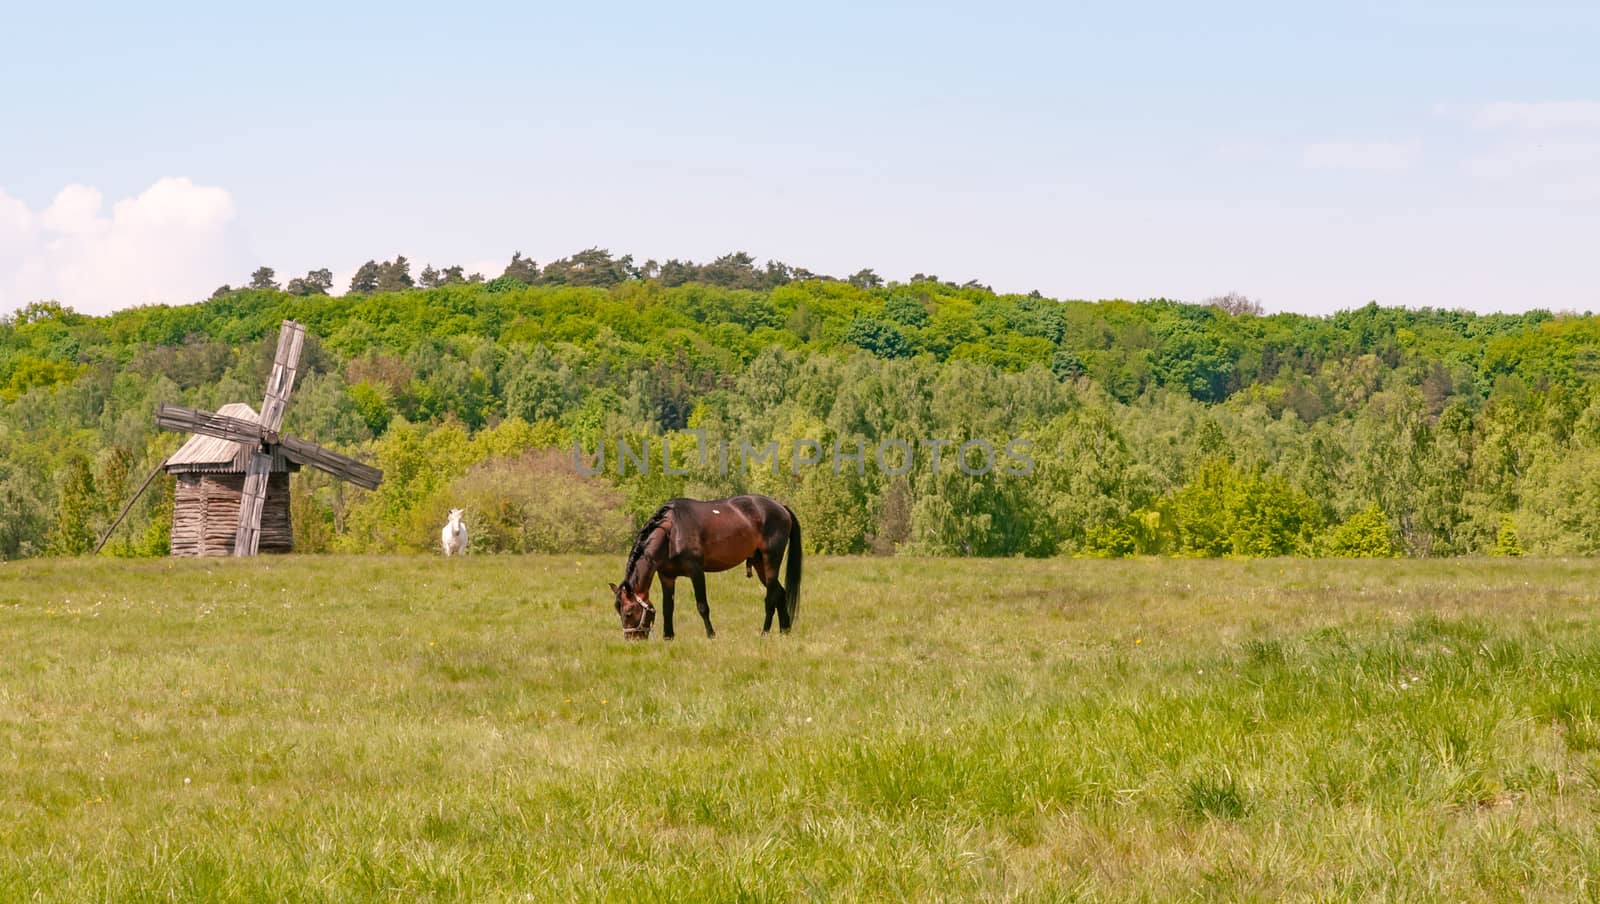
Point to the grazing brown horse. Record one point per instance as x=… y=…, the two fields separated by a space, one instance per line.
x=687 y=538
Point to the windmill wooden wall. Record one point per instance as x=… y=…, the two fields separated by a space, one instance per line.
x=205 y=503
x=205 y=514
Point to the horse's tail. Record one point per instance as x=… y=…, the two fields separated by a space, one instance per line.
x=792 y=575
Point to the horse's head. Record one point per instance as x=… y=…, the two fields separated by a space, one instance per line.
x=455 y=515
x=635 y=611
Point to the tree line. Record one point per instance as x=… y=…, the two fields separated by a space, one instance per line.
x=590 y=267
x=1154 y=427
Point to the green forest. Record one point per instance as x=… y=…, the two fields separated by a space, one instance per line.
x=1153 y=427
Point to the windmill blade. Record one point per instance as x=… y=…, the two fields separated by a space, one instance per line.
x=251 y=503
x=285 y=364
x=209 y=423
x=340 y=466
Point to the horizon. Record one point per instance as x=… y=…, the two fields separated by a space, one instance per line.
x=887 y=285
x=1423 y=156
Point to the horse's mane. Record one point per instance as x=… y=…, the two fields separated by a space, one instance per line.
x=650 y=525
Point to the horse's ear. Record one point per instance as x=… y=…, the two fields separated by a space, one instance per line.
x=614 y=589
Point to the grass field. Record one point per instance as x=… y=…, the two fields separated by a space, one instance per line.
x=419 y=729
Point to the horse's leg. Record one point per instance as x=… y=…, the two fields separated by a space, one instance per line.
x=768 y=576
x=775 y=605
x=760 y=570
x=777 y=597
x=667 y=587
x=766 y=626
x=699 y=579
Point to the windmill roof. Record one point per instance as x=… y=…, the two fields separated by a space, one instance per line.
x=207 y=453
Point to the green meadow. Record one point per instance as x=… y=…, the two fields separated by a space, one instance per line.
x=418 y=729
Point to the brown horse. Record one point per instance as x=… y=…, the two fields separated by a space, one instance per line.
x=688 y=538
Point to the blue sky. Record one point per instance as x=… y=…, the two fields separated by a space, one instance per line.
x=1442 y=154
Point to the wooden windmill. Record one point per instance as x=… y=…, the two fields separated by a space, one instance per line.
x=234 y=471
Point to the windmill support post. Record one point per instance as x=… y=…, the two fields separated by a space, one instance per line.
x=126 y=508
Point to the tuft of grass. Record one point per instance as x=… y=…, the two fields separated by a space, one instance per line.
x=1215 y=796
x=1265 y=652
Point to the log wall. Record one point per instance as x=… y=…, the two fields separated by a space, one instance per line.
x=205 y=514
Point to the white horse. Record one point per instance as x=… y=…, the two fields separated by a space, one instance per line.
x=454 y=535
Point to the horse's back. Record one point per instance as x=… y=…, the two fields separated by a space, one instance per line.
x=728 y=531
x=751 y=504
x=759 y=511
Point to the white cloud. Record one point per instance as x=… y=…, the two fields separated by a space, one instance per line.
x=1554 y=170
x=1524 y=156
x=75 y=211
x=1543 y=115
x=174 y=242
x=1374 y=156
x=16 y=220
